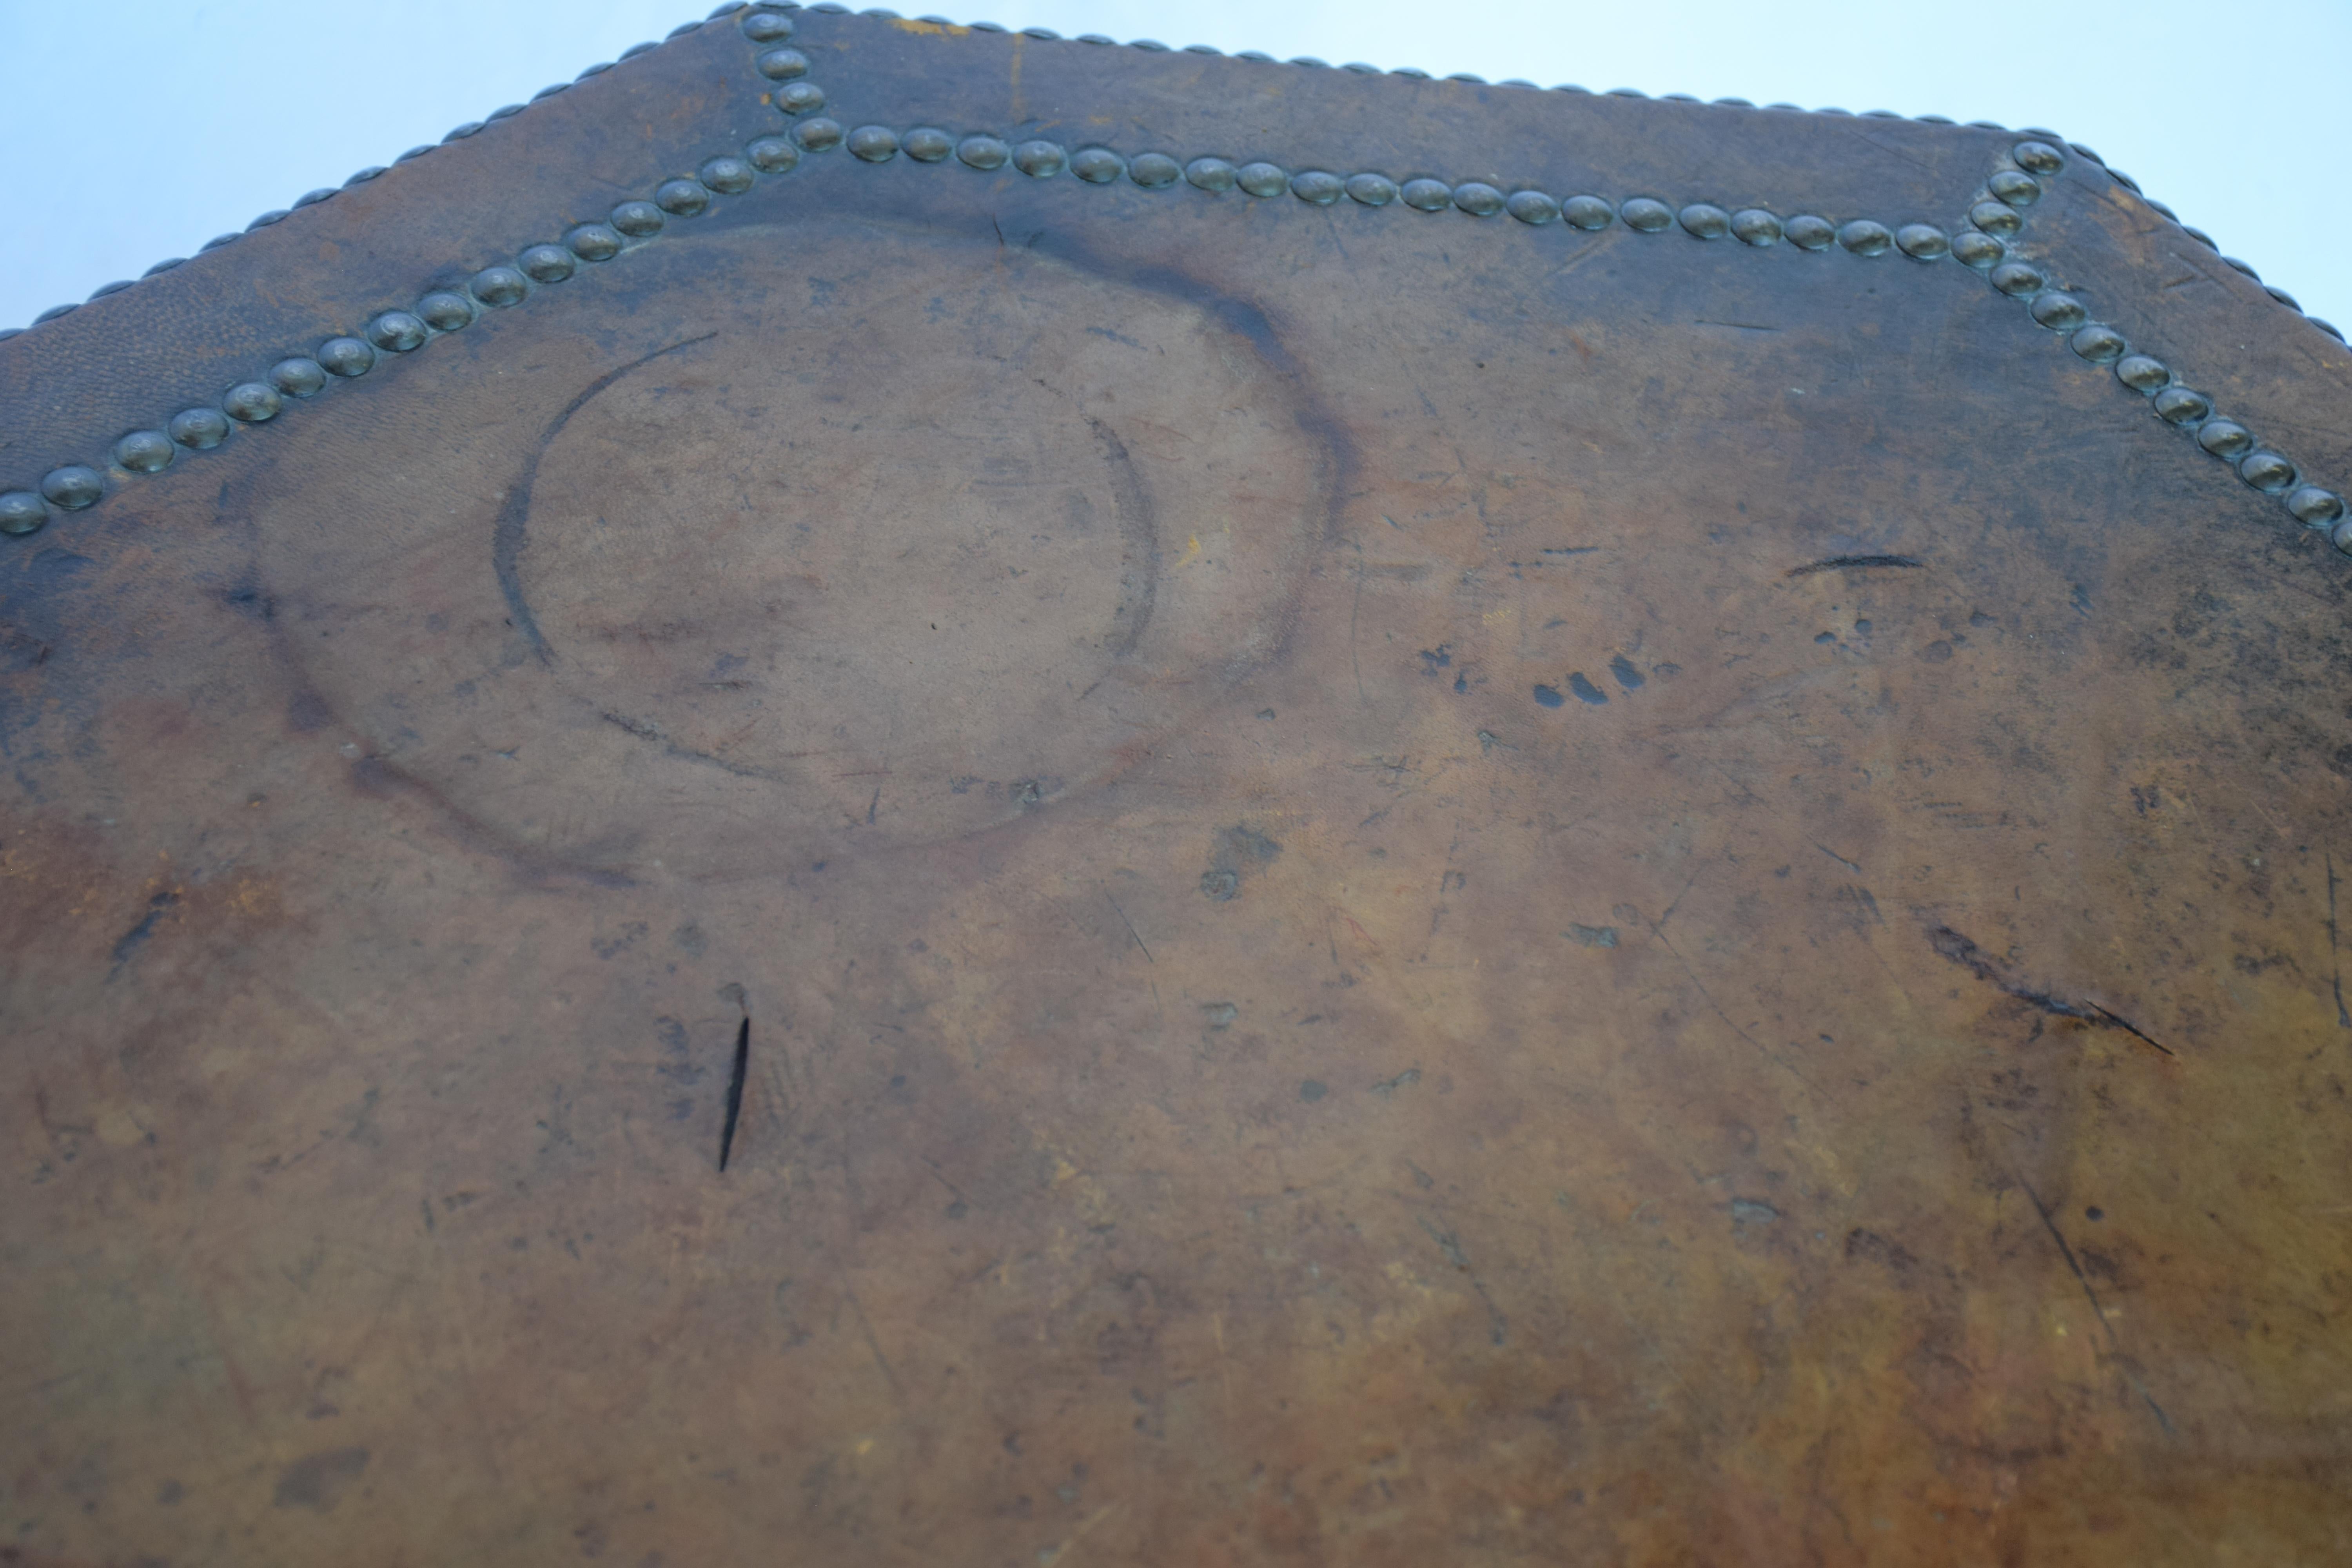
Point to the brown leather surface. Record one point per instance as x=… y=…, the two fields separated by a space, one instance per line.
x=1359 y=946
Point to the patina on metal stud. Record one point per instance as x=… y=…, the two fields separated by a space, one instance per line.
x=681 y=198
x=2315 y=506
x=1532 y=208
x=2142 y=373
x=1704 y=220
x=2099 y=343
x=783 y=65
x=1753 y=226
x=2179 y=406
x=446 y=311
x=346 y=357
x=22 y=512
x=2016 y=189
x=541 y=264
x=103 y=289
x=2017 y=280
x=399 y=332
x=2059 y=311
x=730 y=177
x=1316 y=186
x=928 y=145
x=1154 y=171
x=1864 y=237
x=643 y=220
x=198 y=429
x=1922 y=242
x=2038 y=157
x=767 y=26
x=770 y=155
x=1426 y=196
x=248 y=403
x=1097 y=165
x=2340 y=536
x=1588 y=212
x=145 y=451
x=1996 y=218
x=2225 y=437
x=1807 y=232
x=2266 y=471
x=499 y=285
x=800 y=98
x=1262 y=179
x=986 y=152
x=1647 y=216
x=1040 y=160
x=1972 y=249
x=588 y=241
x=77 y=485
x=1371 y=190
x=873 y=143
x=298 y=377
x=1211 y=175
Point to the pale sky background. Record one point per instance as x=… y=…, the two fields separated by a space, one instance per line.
x=134 y=134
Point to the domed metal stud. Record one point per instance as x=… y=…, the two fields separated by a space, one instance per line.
x=372 y=172
x=1866 y=238
x=2099 y=343
x=22 y=512
x=1753 y=226
x=250 y=403
x=75 y=484
x=928 y=145
x=446 y=311
x=873 y=143
x=770 y=155
x=1155 y=171
x=1046 y=35
x=145 y=452
x=1410 y=73
x=2125 y=180
x=2061 y=312
x=985 y=152
x=643 y=220
x=1807 y=232
x=2143 y=373
x=1097 y=165
x=1996 y=218
x=800 y=98
x=2038 y=157
x=2266 y=471
x=165 y=265
x=2246 y=268
x=198 y=429
x=1971 y=248
x=1040 y=160
x=298 y=377
x=1646 y=216
x=2018 y=190
x=277 y=215
x=2225 y=437
x=103 y=289
x=508 y=112
x=1922 y=242
x=347 y=357
x=2330 y=328
x=1532 y=208
x=767 y=26
x=2315 y=506
x=500 y=286
x=2282 y=297
x=2017 y=280
x=1588 y=212
x=460 y=133
x=1211 y=175
x=1425 y=196
x=2179 y=406
x=549 y=91
x=1262 y=179
x=783 y=65
x=1318 y=188
x=541 y=264
x=588 y=241
x=399 y=332
x=2340 y=536
x=1371 y=190
x=727 y=175
x=414 y=153
x=681 y=198
x=1703 y=220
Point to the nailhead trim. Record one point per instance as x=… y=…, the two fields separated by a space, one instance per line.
x=2012 y=189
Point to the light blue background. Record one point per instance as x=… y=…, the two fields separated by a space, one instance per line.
x=133 y=133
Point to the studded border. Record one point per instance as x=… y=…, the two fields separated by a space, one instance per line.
x=1997 y=214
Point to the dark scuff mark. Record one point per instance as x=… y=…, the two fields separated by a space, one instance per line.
x=735 y=1093
x=507 y=533
x=1138 y=579
x=1856 y=563
x=2335 y=951
x=136 y=937
x=1585 y=690
x=1627 y=675
x=1969 y=956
